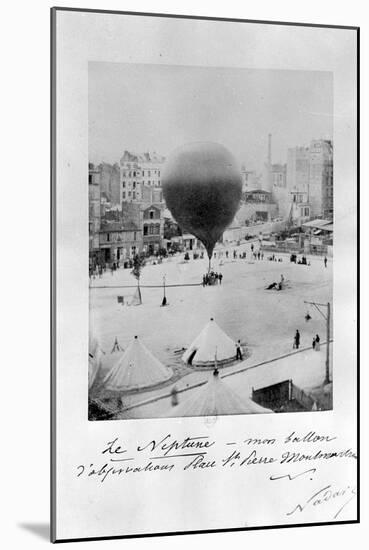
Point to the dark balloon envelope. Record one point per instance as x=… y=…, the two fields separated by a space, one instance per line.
x=202 y=188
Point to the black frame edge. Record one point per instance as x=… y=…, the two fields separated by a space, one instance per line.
x=53 y=274
x=204 y=18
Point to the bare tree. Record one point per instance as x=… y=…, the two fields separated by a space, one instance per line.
x=139 y=262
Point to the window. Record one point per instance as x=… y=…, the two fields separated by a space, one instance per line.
x=151 y=214
x=134 y=185
x=123 y=195
x=129 y=193
x=89 y=178
x=134 y=195
x=123 y=184
x=149 y=174
x=108 y=236
x=145 y=230
x=134 y=174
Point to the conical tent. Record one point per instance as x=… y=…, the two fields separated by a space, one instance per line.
x=136 y=369
x=215 y=398
x=212 y=341
x=94 y=360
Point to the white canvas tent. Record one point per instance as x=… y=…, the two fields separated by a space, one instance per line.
x=210 y=343
x=136 y=369
x=215 y=398
x=94 y=360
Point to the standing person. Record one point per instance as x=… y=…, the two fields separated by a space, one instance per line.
x=325 y=261
x=317 y=343
x=282 y=281
x=174 y=396
x=262 y=255
x=297 y=339
x=259 y=255
x=238 y=350
x=314 y=343
x=252 y=248
x=220 y=278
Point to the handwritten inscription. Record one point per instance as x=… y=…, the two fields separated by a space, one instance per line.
x=201 y=453
x=168 y=445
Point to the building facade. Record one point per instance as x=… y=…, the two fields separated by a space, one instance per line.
x=110 y=182
x=250 y=180
x=119 y=242
x=310 y=171
x=300 y=211
x=298 y=169
x=94 y=219
x=258 y=206
x=138 y=171
x=153 y=228
x=321 y=178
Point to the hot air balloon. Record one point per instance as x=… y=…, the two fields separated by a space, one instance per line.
x=202 y=188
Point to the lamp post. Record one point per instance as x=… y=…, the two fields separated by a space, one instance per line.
x=327 y=318
x=164 y=302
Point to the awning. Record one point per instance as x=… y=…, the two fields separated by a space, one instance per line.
x=318 y=223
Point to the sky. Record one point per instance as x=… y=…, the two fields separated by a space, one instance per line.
x=160 y=107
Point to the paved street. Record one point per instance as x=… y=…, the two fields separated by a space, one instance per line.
x=264 y=320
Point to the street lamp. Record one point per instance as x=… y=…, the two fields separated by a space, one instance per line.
x=164 y=302
x=327 y=317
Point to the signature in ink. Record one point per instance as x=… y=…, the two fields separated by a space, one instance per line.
x=325 y=495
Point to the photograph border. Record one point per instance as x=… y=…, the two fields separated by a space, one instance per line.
x=53 y=254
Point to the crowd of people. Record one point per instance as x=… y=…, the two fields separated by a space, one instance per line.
x=97 y=271
x=212 y=278
x=301 y=261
